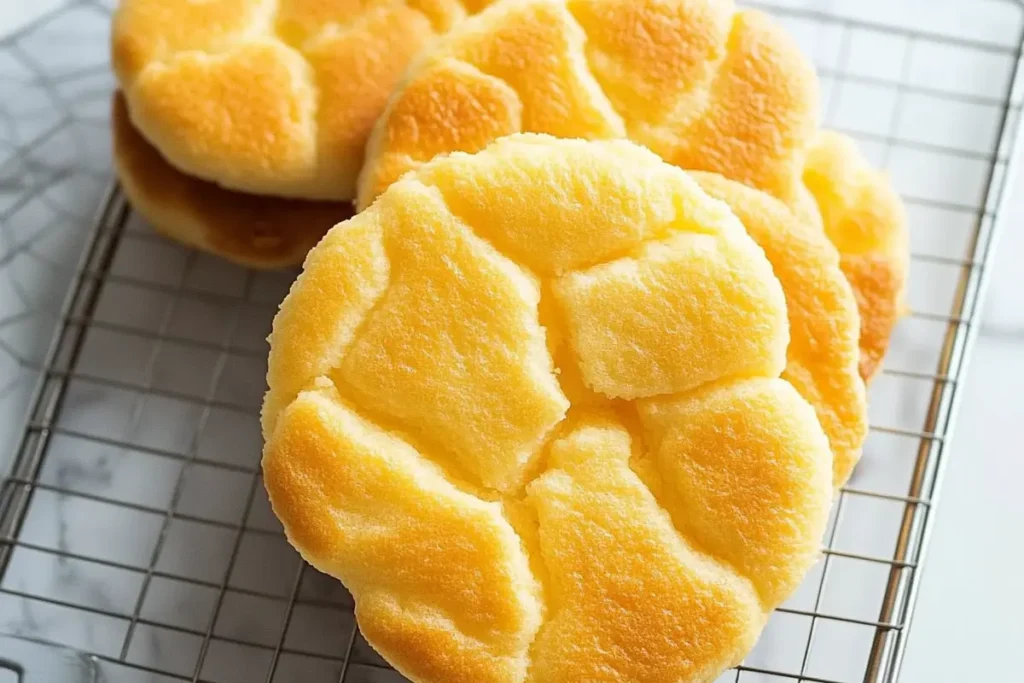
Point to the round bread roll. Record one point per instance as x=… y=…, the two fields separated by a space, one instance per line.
x=527 y=407
x=251 y=230
x=705 y=87
x=271 y=97
x=865 y=218
x=823 y=354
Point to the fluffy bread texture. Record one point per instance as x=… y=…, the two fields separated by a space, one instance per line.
x=527 y=407
x=705 y=87
x=271 y=97
x=865 y=218
x=824 y=326
x=252 y=230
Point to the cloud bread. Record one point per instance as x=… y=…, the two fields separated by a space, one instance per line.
x=704 y=86
x=252 y=230
x=527 y=407
x=865 y=218
x=269 y=96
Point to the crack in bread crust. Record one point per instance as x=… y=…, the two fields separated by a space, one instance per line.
x=581 y=58
x=688 y=107
x=399 y=508
x=625 y=490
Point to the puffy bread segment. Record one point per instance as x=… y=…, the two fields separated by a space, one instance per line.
x=866 y=220
x=454 y=92
x=762 y=109
x=740 y=477
x=685 y=311
x=641 y=199
x=221 y=134
x=537 y=49
x=490 y=402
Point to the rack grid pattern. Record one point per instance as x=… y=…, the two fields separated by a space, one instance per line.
x=133 y=523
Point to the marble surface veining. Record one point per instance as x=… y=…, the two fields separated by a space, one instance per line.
x=150 y=540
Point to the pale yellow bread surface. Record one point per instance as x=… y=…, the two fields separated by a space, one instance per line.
x=269 y=96
x=252 y=230
x=824 y=326
x=704 y=86
x=864 y=217
x=527 y=407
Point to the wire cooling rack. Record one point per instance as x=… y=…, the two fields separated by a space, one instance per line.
x=133 y=523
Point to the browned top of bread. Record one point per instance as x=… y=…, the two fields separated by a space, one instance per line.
x=865 y=218
x=253 y=230
x=527 y=407
x=269 y=96
x=704 y=86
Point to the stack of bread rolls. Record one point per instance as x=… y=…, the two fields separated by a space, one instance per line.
x=240 y=124
x=569 y=396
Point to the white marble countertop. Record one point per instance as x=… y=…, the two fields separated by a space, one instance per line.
x=971 y=595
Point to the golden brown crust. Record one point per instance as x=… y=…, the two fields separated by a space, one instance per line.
x=864 y=217
x=257 y=231
x=435 y=571
x=762 y=110
x=494 y=524
x=824 y=325
x=705 y=87
x=271 y=97
x=454 y=107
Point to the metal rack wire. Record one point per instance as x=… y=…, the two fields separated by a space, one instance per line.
x=133 y=523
